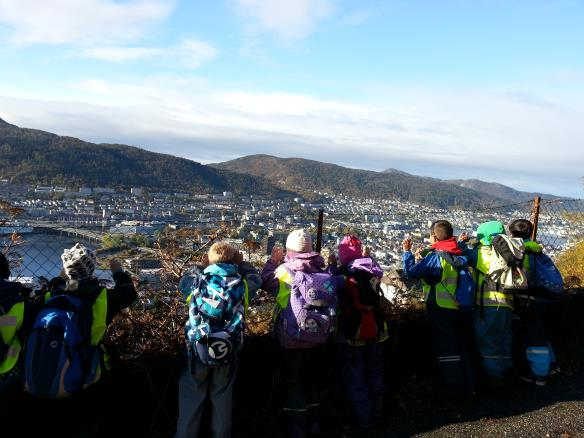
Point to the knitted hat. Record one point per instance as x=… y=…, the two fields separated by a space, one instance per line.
x=486 y=231
x=79 y=262
x=350 y=249
x=299 y=241
x=4 y=267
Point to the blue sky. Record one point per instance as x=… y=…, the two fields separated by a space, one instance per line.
x=451 y=89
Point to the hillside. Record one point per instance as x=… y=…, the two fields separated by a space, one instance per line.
x=305 y=176
x=38 y=157
x=498 y=190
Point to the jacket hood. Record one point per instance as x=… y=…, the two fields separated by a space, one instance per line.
x=305 y=262
x=486 y=231
x=448 y=245
x=221 y=269
x=366 y=264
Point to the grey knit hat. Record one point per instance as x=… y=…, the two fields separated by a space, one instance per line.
x=79 y=262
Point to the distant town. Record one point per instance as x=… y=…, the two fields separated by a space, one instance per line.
x=382 y=224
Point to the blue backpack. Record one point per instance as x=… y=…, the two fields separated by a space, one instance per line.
x=465 y=284
x=217 y=304
x=59 y=359
x=544 y=277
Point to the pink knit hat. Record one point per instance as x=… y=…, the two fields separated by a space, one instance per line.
x=350 y=249
x=299 y=241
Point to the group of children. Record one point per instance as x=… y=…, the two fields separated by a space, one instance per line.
x=51 y=339
x=316 y=301
x=339 y=300
x=506 y=289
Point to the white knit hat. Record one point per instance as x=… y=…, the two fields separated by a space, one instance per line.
x=299 y=241
x=79 y=262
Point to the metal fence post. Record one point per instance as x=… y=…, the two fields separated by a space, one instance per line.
x=535 y=216
x=319 y=230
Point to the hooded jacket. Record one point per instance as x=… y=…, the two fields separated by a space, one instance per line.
x=349 y=299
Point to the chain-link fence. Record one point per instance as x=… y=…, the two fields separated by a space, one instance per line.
x=560 y=227
x=157 y=252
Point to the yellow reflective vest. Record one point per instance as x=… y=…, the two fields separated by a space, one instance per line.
x=10 y=324
x=488 y=291
x=445 y=288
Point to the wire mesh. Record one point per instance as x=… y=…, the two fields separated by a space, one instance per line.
x=561 y=231
x=34 y=247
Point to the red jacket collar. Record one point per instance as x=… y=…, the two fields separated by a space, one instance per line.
x=448 y=245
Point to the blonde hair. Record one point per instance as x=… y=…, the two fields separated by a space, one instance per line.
x=222 y=252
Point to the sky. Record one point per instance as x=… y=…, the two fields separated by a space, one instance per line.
x=482 y=89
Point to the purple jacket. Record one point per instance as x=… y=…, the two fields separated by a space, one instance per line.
x=307 y=262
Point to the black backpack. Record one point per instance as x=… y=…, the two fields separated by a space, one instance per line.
x=361 y=318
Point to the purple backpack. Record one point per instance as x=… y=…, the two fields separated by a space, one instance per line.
x=310 y=314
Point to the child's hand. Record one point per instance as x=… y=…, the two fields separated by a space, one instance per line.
x=115 y=265
x=366 y=251
x=277 y=255
x=332 y=260
x=238 y=258
x=407 y=244
x=418 y=254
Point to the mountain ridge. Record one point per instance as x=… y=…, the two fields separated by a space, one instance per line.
x=305 y=176
x=38 y=157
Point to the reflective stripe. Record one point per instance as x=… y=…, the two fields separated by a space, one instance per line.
x=537 y=351
x=449 y=357
x=493 y=357
x=8 y=321
x=449 y=360
x=295 y=410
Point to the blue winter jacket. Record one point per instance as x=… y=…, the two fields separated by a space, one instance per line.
x=429 y=268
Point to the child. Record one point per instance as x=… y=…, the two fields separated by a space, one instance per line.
x=531 y=309
x=16 y=317
x=494 y=307
x=296 y=280
x=448 y=323
x=78 y=291
x=361 y=330
x=218 y=295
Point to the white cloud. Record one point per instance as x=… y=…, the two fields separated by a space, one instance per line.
x=80 y=22
x=448 y=134
x=287 y=19
x=189 y=53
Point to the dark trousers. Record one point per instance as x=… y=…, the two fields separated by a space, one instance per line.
x=451 y=335
x=303 y=375
x=304 y=371
x=362 y=374
x=533 y=336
